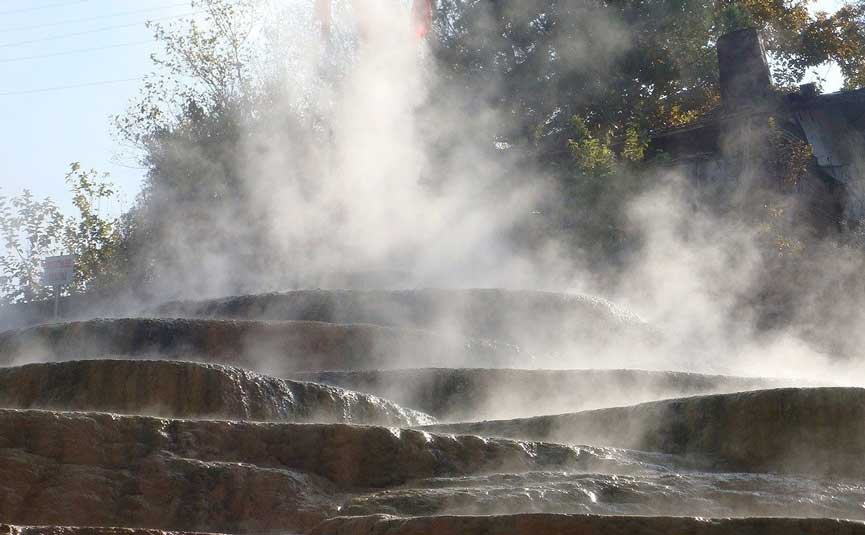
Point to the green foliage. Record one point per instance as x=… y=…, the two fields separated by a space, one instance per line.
x=604 y=176
x=839 y=37
x=636 y=143
x=592 y=156
x=597 y=157
x=94 y=240
x=735 y=17
x=624 y=67
x=214 y=90
x=186 y=128
x=789 y=155
x=202 y=69
x=614 y=63
x=32 y=230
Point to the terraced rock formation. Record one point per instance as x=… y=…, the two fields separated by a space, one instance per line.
x=817 y=431
x=539 y=322
x=6 y=529
x=101 y=469
x=222 y=422
x=637 y=484
x=583 y=525
x=459 y=394
x=272 y=347
x=190 y=390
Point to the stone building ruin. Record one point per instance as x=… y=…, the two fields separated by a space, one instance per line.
x=759 y=137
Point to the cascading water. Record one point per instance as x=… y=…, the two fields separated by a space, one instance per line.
x=137 y=435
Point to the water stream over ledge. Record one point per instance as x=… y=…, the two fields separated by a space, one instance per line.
x=270 y=423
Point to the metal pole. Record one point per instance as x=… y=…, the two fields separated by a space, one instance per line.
x=56 y=301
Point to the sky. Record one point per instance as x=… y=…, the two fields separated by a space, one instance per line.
x=47 y=44
x=67 y=66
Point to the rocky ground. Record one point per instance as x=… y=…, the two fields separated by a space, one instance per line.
x=191 y=390
x=461 y=394
x=403 y=412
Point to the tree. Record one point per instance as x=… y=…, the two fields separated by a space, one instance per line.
x=624 y=67
x=580 y=85
x=96 y=241
x=204 y=68
x=840 y=38
x=216 y=85
x=624 y=62
x=32 y=230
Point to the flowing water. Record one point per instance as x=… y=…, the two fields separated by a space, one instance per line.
x=406 y=412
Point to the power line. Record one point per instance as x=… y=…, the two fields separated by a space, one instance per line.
x=77 y=51
x=37 y=8
x=96 y=30
x=88 y=19
x=71 y=86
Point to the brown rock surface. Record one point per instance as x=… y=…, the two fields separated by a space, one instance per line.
x=159 y=491
x=190 y=390
x=360 y=456
x=261 y=471
x=461 y=394
x=109 y=470
x=537 y=321
x=273 y=347
x=818 y=431
x=6 y=529
x=646 y=486
x=583 y=525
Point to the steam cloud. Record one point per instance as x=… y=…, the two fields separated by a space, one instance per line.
x=368 y=159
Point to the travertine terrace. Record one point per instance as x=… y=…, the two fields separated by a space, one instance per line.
x=406 y=412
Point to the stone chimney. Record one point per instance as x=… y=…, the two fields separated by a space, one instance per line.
x=745 y=77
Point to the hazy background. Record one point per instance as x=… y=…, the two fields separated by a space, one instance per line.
x=48 y=45
x=350 y=192
x=72 y=122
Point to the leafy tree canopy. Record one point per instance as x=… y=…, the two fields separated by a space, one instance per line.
x=576 y=84
x=619 y=62
x=33 y=229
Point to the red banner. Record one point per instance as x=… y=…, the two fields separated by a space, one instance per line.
x=421 y=14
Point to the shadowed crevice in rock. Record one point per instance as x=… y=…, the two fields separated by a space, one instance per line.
x=190 y=390
x=275 y=347
x=462 y=394
x=536 y=321
x=817 y=431
x=583 y=525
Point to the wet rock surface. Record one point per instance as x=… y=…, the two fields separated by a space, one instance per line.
x=160 y=492
x=481 y=393
x=818 y=431
x=583 y=525
x=101 y=469
x=647 y=489
x=536 y=321
x=244 y=446
x=347 y=455
x=190 y=390
x=270 y=347
x=6 y=529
